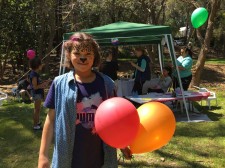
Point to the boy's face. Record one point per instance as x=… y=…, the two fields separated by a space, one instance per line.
x=109 y=56
x=182 y=52
x=82 y=56
x=165 y=72
x=138 y=53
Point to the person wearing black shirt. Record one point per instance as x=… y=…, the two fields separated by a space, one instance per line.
x=109 y=67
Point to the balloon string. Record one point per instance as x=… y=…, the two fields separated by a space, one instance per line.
x=41 y=59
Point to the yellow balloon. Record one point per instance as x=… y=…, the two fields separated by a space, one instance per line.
x=157 y=126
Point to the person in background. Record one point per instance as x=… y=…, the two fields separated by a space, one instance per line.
x=161 y=84
x=109 y=67
x=142 y=70
x=184 y=63
x=72 y=101
x=189 y=46
x=37 y=90
x=22 y=90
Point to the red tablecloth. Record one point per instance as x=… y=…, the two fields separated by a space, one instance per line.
x=195 y=96
x=192 y=96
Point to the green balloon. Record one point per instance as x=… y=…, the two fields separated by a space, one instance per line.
x=199 y=17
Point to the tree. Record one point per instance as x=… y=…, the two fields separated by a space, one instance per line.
x=214 y=6
x=16 y=33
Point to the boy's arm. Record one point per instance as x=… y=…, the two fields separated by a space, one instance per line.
x=47 y=136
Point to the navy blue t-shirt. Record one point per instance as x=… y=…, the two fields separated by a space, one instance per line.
x=88 y=147
x=32 y=75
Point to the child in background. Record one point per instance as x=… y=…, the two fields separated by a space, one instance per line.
x=22 y=90
x=37 y=90
x=109 y=67
x=161 y=84
x=72 y=101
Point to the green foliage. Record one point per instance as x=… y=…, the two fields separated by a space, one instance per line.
x=29 y=24
x=16 y=35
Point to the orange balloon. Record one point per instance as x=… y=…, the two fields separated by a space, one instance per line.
x=157 y=126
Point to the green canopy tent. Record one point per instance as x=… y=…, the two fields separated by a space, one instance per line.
x=128 y=33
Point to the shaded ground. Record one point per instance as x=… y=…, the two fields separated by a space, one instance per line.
x=212 y=76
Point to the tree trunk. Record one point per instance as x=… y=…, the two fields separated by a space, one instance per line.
x=4 y=61
x=198 y=68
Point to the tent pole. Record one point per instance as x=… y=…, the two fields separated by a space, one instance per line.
x=170 y=45
x=61 y=60
x=160 y=57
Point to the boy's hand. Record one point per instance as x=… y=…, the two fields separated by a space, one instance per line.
x=126 y=153
x=132 y=64
x=43 y=162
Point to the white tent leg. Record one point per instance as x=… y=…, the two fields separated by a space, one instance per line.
x=62 y=61
x=170 y=45
x=160 y=57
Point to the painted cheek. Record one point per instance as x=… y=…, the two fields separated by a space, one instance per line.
x=92 y=61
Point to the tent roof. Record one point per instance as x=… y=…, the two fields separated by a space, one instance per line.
x=127 y=33
x=135 y=33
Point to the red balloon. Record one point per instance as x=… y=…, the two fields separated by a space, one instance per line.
x=31 y=54
x=117 y=122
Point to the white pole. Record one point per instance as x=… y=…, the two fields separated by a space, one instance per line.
x=160 y=57
x=176 y=66
x=61 y=67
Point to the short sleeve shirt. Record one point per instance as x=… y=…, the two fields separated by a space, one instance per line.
x=88 y=147
x=143 y=62
x=109 y=69
x=32 y=75
x=185 y=62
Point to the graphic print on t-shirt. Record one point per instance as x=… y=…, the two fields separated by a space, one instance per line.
x=86 y=110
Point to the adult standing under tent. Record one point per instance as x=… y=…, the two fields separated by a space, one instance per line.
x=142 y=70
x=184 y=63
x=129 y=33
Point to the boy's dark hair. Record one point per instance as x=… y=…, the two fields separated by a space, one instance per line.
x=168 y=69
x=81 y=37
x=35 y=63
x=106 y=53
x=188 y=50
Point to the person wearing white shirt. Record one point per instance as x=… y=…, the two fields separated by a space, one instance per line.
x=159 y=85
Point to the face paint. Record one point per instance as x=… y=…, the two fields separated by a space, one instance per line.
x=83 y=47
x=83 y=59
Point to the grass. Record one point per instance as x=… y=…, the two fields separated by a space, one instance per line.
x=19 y=144
x=198 y=145
x=215 y=61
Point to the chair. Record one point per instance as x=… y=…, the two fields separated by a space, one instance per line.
x=3 y=96
x=210 y=98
